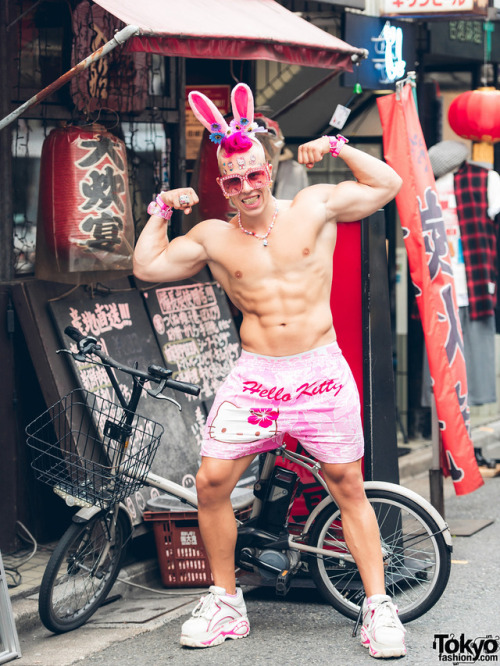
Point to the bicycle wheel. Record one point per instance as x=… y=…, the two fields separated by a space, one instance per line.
x=417 y=559
x=81 y=571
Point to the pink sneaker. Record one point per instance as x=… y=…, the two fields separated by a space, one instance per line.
x=382 y=631
x=218 y=616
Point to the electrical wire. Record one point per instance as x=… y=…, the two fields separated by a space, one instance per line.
x=13 y=571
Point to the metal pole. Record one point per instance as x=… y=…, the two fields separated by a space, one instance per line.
x=6 y=198
x=435 y=475
x=120 y=38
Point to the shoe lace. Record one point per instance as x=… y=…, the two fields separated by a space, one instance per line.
x=205 y=606
x=386 y=615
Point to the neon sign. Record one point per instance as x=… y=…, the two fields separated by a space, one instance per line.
x=388 y=48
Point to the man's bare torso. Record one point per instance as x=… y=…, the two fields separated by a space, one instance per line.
x=283 y=290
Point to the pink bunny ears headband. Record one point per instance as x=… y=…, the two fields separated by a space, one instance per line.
x=210 y=116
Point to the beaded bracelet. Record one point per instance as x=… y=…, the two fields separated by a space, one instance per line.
x=336 y=144
x=160 y=208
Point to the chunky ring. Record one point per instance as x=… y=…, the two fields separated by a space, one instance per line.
x=184 y=199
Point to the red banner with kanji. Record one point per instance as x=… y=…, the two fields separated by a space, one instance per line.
x=431 y=272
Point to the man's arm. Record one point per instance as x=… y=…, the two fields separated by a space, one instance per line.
x=376 y=182
x=157 y=260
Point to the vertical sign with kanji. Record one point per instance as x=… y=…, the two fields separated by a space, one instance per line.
x=432 y=275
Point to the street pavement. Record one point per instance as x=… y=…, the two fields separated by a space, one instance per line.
x=143 y=627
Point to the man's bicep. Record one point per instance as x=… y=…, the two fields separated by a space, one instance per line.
x=186 y=253
x=183 y=258
x=352 y=201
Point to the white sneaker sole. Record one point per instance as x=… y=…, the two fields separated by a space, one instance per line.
x=381 y=651
x=235 y=629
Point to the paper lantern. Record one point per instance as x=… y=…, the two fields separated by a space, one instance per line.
x=475 y=115
x=84 y=206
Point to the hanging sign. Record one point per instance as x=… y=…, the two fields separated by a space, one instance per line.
x=432 y=275
x=460 y=38
x=391 y=51
x=433 y=8
x=120 y=80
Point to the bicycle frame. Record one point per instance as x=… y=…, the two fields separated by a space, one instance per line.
x=295 y=542
x=416 y=543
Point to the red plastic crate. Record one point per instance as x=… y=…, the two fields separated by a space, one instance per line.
x=181 y=555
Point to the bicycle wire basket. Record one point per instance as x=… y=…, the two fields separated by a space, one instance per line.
x=82 y=447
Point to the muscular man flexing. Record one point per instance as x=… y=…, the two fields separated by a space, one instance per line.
x=274 y=260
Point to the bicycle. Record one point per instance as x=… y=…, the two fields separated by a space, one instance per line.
x=95 y=454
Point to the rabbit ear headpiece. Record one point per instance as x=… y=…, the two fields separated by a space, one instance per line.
x=210 y=116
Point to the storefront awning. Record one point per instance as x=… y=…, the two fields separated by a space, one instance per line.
x=230 y=29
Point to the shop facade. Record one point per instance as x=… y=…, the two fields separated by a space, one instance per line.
x=144 y=104
x=138 y=99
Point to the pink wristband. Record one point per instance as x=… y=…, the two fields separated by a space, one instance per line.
x=336 y=144
x=160 y=208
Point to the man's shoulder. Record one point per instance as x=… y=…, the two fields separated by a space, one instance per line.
x=207 y=228
x=213 y=223
x=312 y=195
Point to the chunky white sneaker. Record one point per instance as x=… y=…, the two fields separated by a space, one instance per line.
x=218 y=616
x=382 y=632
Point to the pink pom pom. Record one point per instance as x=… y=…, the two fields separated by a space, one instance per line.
x=235 y=143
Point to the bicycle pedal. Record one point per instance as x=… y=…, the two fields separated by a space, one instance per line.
x=283 y=581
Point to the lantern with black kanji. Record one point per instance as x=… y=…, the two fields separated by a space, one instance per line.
x=84 y=204
x=475 y=115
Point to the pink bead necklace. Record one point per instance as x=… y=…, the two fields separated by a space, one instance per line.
x=263 y=238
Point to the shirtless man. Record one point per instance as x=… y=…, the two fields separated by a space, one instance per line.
x=274 y=260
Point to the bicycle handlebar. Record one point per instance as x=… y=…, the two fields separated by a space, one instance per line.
x=89 y=345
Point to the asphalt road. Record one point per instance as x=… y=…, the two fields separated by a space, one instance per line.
x=301 y=629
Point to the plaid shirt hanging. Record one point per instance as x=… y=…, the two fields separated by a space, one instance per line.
x=478 y=238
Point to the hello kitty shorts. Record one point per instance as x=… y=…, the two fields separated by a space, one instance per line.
x=311 y=396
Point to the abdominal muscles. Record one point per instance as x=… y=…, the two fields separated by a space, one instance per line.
x=289 y=319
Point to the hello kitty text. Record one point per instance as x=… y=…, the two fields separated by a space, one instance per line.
x=279 y=393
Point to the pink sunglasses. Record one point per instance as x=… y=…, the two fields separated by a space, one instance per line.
x=256 y=177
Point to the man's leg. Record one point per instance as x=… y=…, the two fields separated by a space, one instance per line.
x=215 y=482
x=222 y=613
x=382 y=632
x=359 y=524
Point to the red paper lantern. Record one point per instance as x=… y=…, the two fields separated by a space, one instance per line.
x=475 y=115
x=84 y=206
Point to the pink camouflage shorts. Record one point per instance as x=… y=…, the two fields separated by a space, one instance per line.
x=311 y=396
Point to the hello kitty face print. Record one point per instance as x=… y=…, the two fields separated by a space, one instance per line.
x=235 y=425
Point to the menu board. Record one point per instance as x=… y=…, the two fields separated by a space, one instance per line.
x=196 y=333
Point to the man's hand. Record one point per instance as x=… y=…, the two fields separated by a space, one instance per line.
x=183 y=198
x=311 y=152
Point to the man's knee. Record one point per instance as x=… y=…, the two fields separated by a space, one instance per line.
x=212 y=486
x=345 y=480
